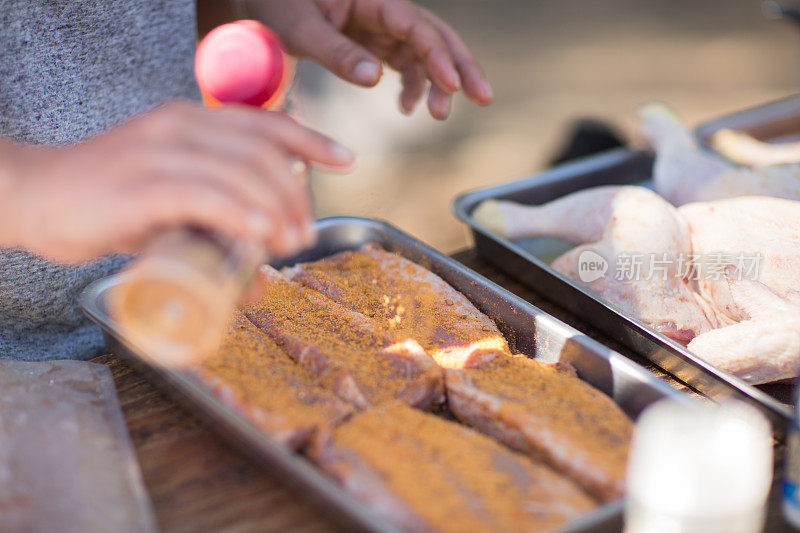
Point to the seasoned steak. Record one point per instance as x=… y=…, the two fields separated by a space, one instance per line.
x=548 y=413
x=257 y=377
x=423 y=473
x=345 y=350
x=409 y=301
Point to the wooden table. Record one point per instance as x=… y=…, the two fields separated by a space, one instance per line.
x=198 y=483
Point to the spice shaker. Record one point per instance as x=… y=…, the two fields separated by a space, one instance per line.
x=174 y=301
x=699 y=469
x=242 y=62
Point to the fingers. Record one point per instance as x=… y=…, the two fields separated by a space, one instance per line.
x=289 y=188
x=265 y=184
x=474 y=81
x=407 y=23
x=139 y=212
x=261 y=148
x=439 y=103
x=233 y=124
x=430 y=43
x=176 y=166
x=353 y=38
x=170 y=203
x=319 y=40
x=286 y=133
x=246 y=164
x=414 y=83
x=414 y=80
x=262 y=156
x=249 y=155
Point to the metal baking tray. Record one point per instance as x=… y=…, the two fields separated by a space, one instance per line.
x=777 y=121
x=529 y=261
x=529 y=329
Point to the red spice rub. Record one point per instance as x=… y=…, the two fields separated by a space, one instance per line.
x=408 y=300
x=525 y=404
x=348 y=342
x=252 y=374
x=424 y=473
x=345 y=350
x=547 y=412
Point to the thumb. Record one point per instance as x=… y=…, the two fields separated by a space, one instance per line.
x=322 y=42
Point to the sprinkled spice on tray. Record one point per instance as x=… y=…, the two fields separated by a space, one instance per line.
x=253 y=374
x=347 y=351
x=408 y=300
x=424 y=473
x=547 y=412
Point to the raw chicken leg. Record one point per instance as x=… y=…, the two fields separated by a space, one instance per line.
x=620 y=224
x=684 y=173
x=681 y=169
x=758 y=318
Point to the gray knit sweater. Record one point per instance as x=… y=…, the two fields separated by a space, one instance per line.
x=70 y=69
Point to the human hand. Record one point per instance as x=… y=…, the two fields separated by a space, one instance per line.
x=353 y=38
x=229 y=170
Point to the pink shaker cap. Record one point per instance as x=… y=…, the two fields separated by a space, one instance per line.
x=241 y=62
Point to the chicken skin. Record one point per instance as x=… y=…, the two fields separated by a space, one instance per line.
x=683 y=172
x=745 y=323
x=617 y=224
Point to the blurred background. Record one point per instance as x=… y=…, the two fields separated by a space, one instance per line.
x=550 y=63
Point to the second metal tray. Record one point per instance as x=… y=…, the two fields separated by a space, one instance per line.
x=531 y=331
x=529 y=260
x=777 y=121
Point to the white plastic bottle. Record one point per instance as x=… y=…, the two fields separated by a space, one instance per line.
x=703 y=469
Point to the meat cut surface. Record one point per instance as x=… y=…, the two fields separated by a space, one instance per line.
x=424 y=473
x=348 y=352
x=548 y=413
x=257 y=377
x=407 y=300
